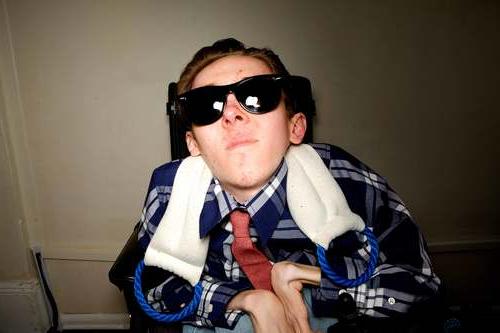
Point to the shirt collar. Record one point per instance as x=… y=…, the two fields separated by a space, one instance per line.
x=265 y=207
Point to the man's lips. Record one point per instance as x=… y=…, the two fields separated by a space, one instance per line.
x=233 y=144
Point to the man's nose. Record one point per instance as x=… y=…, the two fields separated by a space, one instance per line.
x=232 y=110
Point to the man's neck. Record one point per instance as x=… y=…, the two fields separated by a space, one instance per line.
x=243 y=195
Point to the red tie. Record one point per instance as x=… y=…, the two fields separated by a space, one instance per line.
x=253 y=262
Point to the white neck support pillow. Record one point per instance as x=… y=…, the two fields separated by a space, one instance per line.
x=314 y=198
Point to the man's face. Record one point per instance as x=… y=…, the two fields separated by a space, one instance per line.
x=242 y=149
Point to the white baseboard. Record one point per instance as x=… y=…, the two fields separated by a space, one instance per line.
x=22 y=307
x=102 y=321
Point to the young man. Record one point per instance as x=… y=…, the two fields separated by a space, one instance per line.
x=243 y=116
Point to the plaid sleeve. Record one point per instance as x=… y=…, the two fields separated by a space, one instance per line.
x=403 y=275
x=175 y=293
x=216 y=295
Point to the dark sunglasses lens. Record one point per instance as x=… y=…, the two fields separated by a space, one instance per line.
x=203 y=106
x=259 y=95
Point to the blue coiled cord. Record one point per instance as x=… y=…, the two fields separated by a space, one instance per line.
x=345 y=282
x=164 y=317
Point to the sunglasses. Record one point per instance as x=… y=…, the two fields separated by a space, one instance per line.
x=257 y=95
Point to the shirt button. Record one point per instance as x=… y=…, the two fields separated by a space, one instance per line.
x=391 y=301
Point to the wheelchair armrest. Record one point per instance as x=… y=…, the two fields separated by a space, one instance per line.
x=122 y=275
x=122 y=272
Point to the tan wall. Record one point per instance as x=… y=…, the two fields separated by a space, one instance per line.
x=410 y=87
x=14 y=258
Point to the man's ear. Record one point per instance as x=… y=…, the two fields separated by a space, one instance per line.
x=192 y=144
x=298 y=126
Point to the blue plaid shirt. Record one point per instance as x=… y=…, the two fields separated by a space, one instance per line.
x=403 y=275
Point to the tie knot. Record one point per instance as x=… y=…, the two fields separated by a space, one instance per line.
x=240 y=221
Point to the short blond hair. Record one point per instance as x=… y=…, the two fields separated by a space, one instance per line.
x=223 y=48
